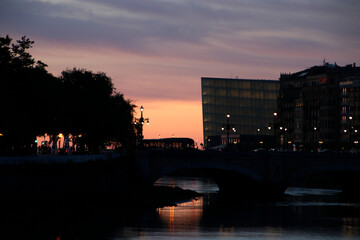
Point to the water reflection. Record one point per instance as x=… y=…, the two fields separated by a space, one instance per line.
x=304 y=214
x=189 y=217
x=201 y=185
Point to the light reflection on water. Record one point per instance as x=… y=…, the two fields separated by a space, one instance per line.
x=296 y=191
x=306 y=213
x=201 y=185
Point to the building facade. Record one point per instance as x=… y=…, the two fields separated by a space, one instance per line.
x=319 y=107
x=350 y=109
x=250 y=105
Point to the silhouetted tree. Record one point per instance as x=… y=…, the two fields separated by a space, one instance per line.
x=119 y=127
x=24 y=95
x=79 y=102
x=94 y=110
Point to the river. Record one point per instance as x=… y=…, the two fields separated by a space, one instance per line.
x=304 y=214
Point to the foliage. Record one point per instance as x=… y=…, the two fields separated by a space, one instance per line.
x=94 y=109
x=34 y=102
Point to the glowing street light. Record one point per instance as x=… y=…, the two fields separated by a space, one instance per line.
x=350 y=132
x=139 y=122
x=275 y=126
x=228 y=127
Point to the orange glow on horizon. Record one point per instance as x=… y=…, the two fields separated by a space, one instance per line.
x=173 y=118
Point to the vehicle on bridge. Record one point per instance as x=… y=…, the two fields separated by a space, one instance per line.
x=169 y=144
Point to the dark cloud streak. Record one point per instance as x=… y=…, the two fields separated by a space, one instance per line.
x=278 y=33
x=139 y=25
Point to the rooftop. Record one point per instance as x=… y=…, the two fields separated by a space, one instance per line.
x=326 y=68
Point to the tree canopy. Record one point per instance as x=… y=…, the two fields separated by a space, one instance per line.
x=79 y=102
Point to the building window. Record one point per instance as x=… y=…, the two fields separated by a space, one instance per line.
x=343 y=119
x=343 y=109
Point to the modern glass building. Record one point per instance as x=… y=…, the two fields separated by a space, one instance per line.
x=250 y=103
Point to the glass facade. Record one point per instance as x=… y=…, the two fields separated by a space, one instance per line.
x=251 y=104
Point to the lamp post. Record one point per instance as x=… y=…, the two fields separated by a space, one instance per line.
x=284 y=140
x=139 y=122
x=275 y=126
x=228 y=127
x=316 y=138
x=350 y=131
x=281 y=137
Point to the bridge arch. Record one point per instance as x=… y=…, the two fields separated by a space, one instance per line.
x=237 y=182
x=211 y=169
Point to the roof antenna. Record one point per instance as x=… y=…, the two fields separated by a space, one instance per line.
x=324 y=61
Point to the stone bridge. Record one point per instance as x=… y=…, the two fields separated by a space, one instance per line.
x=262 y=174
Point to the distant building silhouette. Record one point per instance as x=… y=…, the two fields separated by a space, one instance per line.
x=250 y=104
x=320 y=107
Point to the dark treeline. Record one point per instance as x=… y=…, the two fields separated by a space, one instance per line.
x=79 y=103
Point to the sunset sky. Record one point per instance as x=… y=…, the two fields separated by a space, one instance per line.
x=156 y=51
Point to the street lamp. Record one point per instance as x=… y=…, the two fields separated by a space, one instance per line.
x=139 y=122
x=228 y=127
x=315 y=138
x=275 y=125
x=350 y=131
